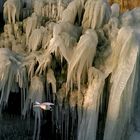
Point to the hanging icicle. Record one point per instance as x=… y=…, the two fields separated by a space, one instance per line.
x=88 y=128
x=122 y=86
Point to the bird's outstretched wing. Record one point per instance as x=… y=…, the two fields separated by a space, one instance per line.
x=37 y=103
x=47 y=103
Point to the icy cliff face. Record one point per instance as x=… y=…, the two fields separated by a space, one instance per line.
x=81 y=55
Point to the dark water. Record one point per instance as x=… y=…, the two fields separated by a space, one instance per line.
x=12 y=125
x=13 y=128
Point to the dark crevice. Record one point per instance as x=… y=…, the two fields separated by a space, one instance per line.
x=1 y=22
x=103 y=109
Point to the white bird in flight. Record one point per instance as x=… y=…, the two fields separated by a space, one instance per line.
x=44 y=105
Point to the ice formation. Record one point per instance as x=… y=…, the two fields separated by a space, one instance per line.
x=80 y=55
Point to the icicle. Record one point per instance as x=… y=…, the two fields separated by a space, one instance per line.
x=37 y=126
x=63 y=45
x=73 y=114
x=51 y=79
x=60 y=8
x=61 y=95
x=44 y=62
x=88 y=127
x=36 y=93
x=35 y=39
x=83 y=56
x=9 y=68
x=66 y=119
x=69 y=14
x=31 y=24
x=80 y=100
x=96 y=14
x=122 y=77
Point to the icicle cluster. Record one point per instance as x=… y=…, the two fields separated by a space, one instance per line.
x=80 y=55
